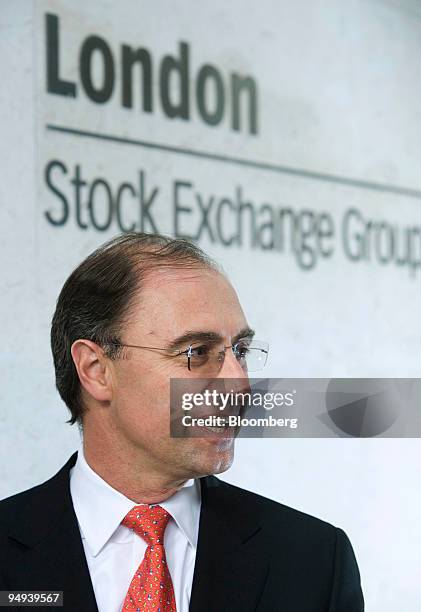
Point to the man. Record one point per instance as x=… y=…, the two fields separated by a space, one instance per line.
x=136 y=519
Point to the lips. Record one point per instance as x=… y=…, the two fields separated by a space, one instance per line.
x=211 y=425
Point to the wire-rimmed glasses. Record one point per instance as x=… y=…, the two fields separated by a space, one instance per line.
x=206 y=360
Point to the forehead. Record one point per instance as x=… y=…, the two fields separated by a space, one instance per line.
x=173 y=300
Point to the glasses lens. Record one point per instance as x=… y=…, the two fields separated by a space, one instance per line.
x=207 y=361
x=254 y=356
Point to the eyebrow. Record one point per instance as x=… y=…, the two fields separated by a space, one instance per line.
x=207 y=336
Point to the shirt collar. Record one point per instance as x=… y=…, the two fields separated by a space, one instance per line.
x=100 y=508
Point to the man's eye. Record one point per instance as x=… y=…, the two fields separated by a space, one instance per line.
x=242 y=350
x=198 y=351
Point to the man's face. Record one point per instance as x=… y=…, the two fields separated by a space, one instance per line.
x=172 y=303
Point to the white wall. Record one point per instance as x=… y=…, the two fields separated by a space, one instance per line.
x=339 y=124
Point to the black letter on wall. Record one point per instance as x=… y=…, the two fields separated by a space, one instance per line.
x=61 y=220
x=238 y=84
x=181 y=66
x=210 y=72
x=129 y=58
x=91 y=44
x=55 y=84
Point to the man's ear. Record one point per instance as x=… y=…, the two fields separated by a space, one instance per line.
x=93 y=369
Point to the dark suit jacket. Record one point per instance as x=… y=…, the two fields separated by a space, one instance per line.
x=253 y=554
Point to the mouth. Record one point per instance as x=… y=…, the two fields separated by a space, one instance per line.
x=207 y=424
x=215 y=431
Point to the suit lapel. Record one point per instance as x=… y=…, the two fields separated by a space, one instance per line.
x=229 y=572
x=51 y=554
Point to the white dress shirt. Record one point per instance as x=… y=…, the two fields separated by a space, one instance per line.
x=114 y=552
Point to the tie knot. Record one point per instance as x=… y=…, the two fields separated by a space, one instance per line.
x=149 y=522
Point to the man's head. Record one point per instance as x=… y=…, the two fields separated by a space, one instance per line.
x=146 y=290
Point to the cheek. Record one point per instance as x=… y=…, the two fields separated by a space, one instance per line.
x=142 y=399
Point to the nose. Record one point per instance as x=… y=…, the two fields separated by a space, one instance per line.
x=231 y=368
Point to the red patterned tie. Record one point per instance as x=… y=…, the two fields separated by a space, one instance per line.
x=151 y=587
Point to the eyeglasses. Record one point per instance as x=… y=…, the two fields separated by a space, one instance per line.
x=207 y=360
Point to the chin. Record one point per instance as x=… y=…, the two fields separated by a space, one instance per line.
x=216 y=463
x=200 y=457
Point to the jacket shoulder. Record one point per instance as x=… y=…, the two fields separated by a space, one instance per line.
x=36 y=497
x=273 y=511
x=11 y=505
x=303 y=549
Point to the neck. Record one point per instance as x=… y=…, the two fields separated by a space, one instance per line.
x=129 y=470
